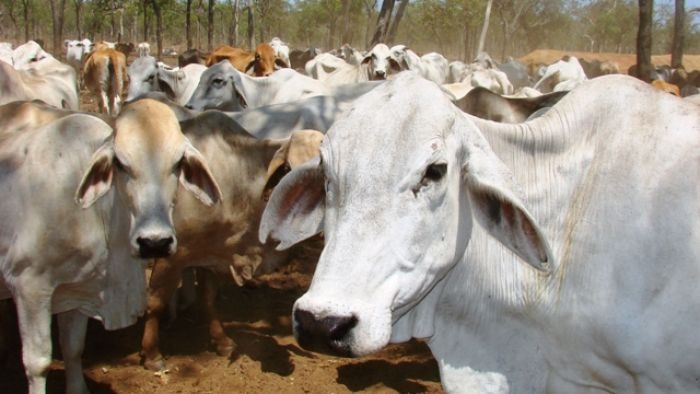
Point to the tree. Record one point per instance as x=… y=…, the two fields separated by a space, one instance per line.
x=78 y=4
x=644 y=66
x=383 y=20
x=484 y=30
x=678 y=35
x=391 y=36
x=57 y=12
x=233 y=28
x=188 y=23
x=210 y=25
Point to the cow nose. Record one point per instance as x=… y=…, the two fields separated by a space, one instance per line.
x=380 y=74
x=153 y=247
x=324 y=335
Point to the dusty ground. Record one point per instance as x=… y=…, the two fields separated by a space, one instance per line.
x=266 y=360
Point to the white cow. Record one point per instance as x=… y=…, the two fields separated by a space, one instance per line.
x=89 y=263
x=148 y=75
x=76 y=50
x=6 y=52
x=27 y=53
x=281 y=49
x=223 y=87
x=48 y=80
x=591 y=288
x=143 y=49
x=432 y=66
x=564 y=74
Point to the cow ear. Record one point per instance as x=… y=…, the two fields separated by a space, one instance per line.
x=366 y=59
x=239 y=95
x=296 y=208
x=499 y=211
x=98 y=178
x=394 y=64
x=249 y=66
x=196 y=177
x=281 y=64
x=65 y=43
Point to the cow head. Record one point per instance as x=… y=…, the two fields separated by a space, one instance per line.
x=380 y=63
x=219 y=88
x=395 y=190
x=265 y=61
x=143 y=76
x=146 y=158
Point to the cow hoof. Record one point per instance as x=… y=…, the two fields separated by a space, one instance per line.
x=155 y=364
x=225 y=347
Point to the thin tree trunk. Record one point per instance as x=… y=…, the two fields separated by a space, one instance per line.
x=251 y=27
x=383 y=20
x=159 y=27
x=644 y=66
x=78 y=7
x=188 y=23
x=25 y=14
x=146 y=20
x=57 y=11
x=485 y=28
x=233 y=30
x=345 y=34
x=391 y=37
x=678 y=35
x=210 y=25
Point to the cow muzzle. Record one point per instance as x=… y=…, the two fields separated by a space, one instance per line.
x=155 y=246
x=328 y=334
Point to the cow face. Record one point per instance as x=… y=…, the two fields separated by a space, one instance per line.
x=145 y=160
x=395 y=190
x=143 y=76
x=218 y=88
x=380 y=63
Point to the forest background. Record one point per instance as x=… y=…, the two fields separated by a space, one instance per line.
x=451 y=27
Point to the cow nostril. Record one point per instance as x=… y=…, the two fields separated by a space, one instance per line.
x=154 y=247
x=325 y=335
x=338 y=327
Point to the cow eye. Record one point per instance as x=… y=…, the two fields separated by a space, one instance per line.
x=433 y=174
x=121 y=167
x=150 y=78
x=218 y=82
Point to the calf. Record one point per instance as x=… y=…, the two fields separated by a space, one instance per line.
x=104 y=74
x=223 y=240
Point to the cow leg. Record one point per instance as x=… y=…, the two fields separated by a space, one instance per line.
x=164 y=280
x=33 y=301
x=104 y=102
x=72 y=326
x=209 y=284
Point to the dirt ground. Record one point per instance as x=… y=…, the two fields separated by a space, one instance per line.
x=266 y=360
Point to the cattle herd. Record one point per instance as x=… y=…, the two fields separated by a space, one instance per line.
x=537 y=225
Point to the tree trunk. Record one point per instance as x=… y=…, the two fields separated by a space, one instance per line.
x=382 y=23
x=25 y=15
x=644 y=66
x=210 y=25
x=251 y=28
x=159 y=27
x=233 y=30
x=57 y=11
x=345 y=35
x=78 y=8
x=391 y=37
x=188 y=23
x=485 y=28
x=146 y=21
x=678 y=35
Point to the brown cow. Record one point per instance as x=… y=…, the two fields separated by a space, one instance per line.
x=263 y=61
x=104 y=74
x=666 y=87
x=223 y=239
